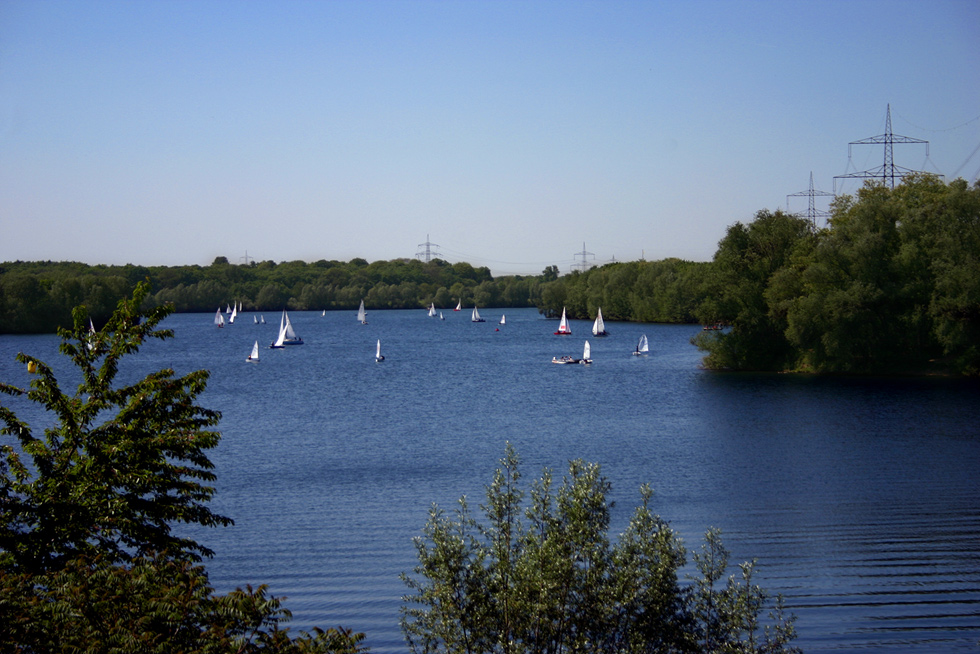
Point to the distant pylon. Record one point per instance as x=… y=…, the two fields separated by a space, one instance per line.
x=812 y=213
x=427 y=250
x=888 y=171
x=584 y=263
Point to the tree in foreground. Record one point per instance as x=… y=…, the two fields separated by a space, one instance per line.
x=543 y=576
x=89 y=560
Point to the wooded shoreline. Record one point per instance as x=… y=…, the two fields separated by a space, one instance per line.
x=891 y=284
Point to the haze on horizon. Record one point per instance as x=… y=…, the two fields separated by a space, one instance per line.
x=508 y=133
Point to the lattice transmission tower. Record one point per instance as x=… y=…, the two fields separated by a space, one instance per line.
x=888 y=171
x=584 y=263
x=812 y=213
x=426 y=250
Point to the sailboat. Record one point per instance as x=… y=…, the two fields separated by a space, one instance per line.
x=377 y=353
x=563 y=327
x=287 y=336
x=361 y=314
x=441 y=317
x=324 y=312
x=255 y=319
x=234 y=314
x=219 y=320
x=254 y=356
x=432 y=310
x=476 y=316
x=643 y=347
x=503 y=320
x=586 y=357
x=459 y=305
x=261 y=320
x=598 y=327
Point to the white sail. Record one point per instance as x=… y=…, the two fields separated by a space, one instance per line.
x=234 y=314
x=290 y=332
x=441 y=317
x=261 y=320
x=598 y=327
x=643 y=347
x=282 y=331
x=255 y=319
x=432 y=310
x=563 y=325
x=587 y=352
x=476 y=316
x=377 y=353
x=219 y=320
x=459 y=305
x=254 y=356
x=361 y=314
x=287 y=335
x=503 y=320
x=227 y=308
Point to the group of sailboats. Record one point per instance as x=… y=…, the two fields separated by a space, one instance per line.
x=288 y=336
x=232 y=311
x=598 y=330
x=598 y=327
x=585 y=360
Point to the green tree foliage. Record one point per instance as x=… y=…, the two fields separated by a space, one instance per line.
x=39 y=297
x=89 y=560
x=747 y=259
x=544 y=576
x=891 y=285
x=667 y=291
x=121 y=465
x=151 y=605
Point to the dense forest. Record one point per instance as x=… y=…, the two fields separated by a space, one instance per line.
x=39 y=296
x=891 y=283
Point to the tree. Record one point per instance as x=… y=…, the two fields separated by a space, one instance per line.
x=151 y=605
x=744 y=264
x=88 y=558
x=544 y=576
x=122 y=465
x=891 y=285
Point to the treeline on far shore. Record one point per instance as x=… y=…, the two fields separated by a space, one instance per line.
x=38 y=297
x=890 y=284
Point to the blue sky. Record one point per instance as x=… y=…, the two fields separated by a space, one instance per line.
x=507 y=133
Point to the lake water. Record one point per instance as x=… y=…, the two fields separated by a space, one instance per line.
x=860 y=498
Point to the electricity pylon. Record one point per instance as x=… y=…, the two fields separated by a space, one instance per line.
x=888 y=171
x=812 y=213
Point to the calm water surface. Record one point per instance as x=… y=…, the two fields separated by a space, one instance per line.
x=859 y=497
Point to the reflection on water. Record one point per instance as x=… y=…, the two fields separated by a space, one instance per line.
x=858 y=497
